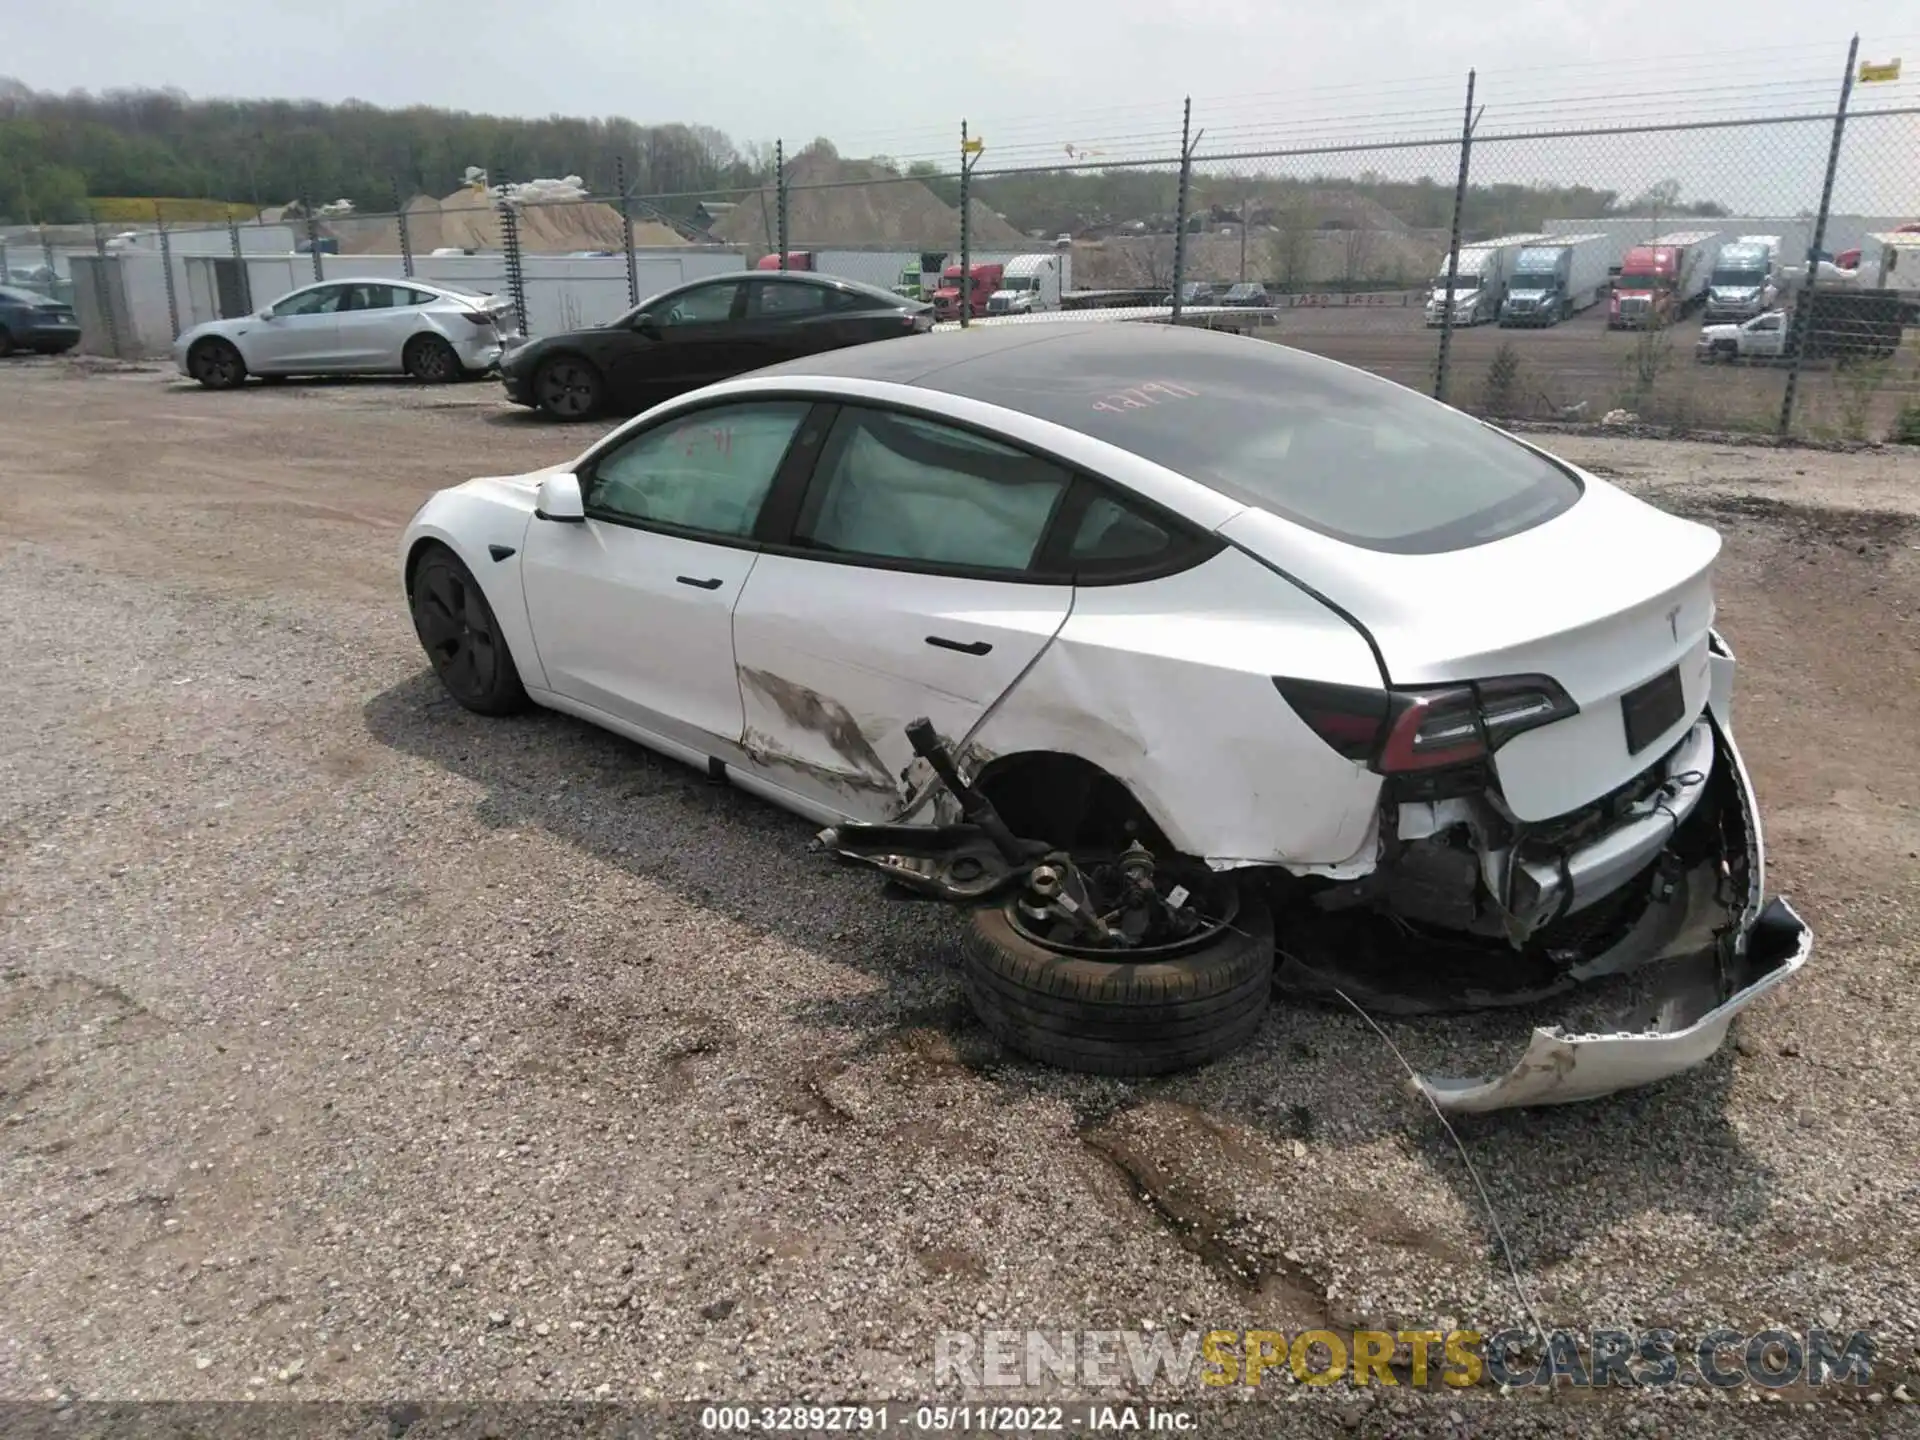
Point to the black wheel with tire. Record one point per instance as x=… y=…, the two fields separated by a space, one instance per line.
x=1162 y=1012
x=216 y=364
x=568 y=388
x=431 y=360
x=459 y=632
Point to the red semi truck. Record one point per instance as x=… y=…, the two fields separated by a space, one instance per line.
x=985 y=280
x=1660 y=280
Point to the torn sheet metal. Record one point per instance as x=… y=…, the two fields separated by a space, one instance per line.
x=1679 y=1033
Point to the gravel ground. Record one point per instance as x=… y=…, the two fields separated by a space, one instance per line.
x=354 y=1047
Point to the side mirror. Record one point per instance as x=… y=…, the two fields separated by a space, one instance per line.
x=266 y=314
x=648 y=326
x=560 y=499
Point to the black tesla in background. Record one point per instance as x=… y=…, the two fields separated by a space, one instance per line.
x=698 y=333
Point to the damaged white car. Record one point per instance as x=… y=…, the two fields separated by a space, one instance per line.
x=1149 y=645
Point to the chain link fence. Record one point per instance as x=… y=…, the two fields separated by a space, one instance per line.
x=1721 y=274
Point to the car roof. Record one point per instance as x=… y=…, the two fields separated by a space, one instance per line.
x=1055 y=370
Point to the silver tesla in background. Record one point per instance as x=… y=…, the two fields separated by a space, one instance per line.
x=431 y=330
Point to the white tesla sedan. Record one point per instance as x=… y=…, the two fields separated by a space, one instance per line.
x=431 y=330
x=1150 y=644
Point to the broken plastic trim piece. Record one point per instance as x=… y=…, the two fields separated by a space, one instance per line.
x=1686 y=1029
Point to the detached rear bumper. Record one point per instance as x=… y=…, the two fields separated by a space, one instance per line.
x=1683 y=1026
x=1722 y=953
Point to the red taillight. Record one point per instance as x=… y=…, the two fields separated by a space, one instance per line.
x=1397 y=732
x=1432 y=728
x=477 y=317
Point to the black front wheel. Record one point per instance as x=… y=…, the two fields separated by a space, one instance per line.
x=461 y=635
x=568 y=389
x=216 y=364
x=1112 y=1016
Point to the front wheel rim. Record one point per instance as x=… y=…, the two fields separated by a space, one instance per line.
x=215 y=366
x=457 y=632
x=567 y=389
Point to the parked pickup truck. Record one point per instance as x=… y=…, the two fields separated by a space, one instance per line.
x=1841 y=325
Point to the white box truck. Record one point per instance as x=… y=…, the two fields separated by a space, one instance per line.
x=1032 y=283
x=1553 y=281
x=1480 y=280
x=1745 y=280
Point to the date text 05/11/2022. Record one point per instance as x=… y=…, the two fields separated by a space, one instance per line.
x=1097 y=1418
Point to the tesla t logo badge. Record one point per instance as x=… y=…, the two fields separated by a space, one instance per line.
x=1673 y=621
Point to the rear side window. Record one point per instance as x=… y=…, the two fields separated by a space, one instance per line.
x=1114 y=536
x=777 y=299
x=1338 y=451
x=898 y=488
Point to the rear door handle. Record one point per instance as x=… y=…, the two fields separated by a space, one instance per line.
x=713 y=584
x=977 y=647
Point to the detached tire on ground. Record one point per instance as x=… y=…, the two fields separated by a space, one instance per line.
x=1114 y=1017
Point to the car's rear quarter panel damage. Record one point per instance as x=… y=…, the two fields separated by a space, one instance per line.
x=1167 y=685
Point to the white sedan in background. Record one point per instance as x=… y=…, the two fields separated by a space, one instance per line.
x=1149 y=644
x=430 y=330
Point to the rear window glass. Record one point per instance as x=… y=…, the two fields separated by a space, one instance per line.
x=1338 y=451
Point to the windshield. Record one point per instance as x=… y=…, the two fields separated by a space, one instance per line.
x=1336 y=450
x=1462 y=283
x=1020 y=282
x=1534 y=280
x=1731 y=276
x=1642 y=281
x=1244 y=290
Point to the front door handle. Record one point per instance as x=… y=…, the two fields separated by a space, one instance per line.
x=713 y=584
x=977 y=647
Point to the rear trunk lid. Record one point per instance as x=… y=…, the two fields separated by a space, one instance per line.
x=1604 y=598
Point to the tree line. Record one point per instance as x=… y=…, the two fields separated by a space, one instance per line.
x=58 y=151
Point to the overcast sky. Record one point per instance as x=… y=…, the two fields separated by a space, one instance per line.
x=1106 y=77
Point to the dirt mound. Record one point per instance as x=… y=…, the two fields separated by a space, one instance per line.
x=831 y=201
x=470 y=220
x=1319 y=257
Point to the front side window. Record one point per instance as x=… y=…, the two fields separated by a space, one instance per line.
x=896 y=487
x=707 y=471
x=702 y=305
x=321 y=300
